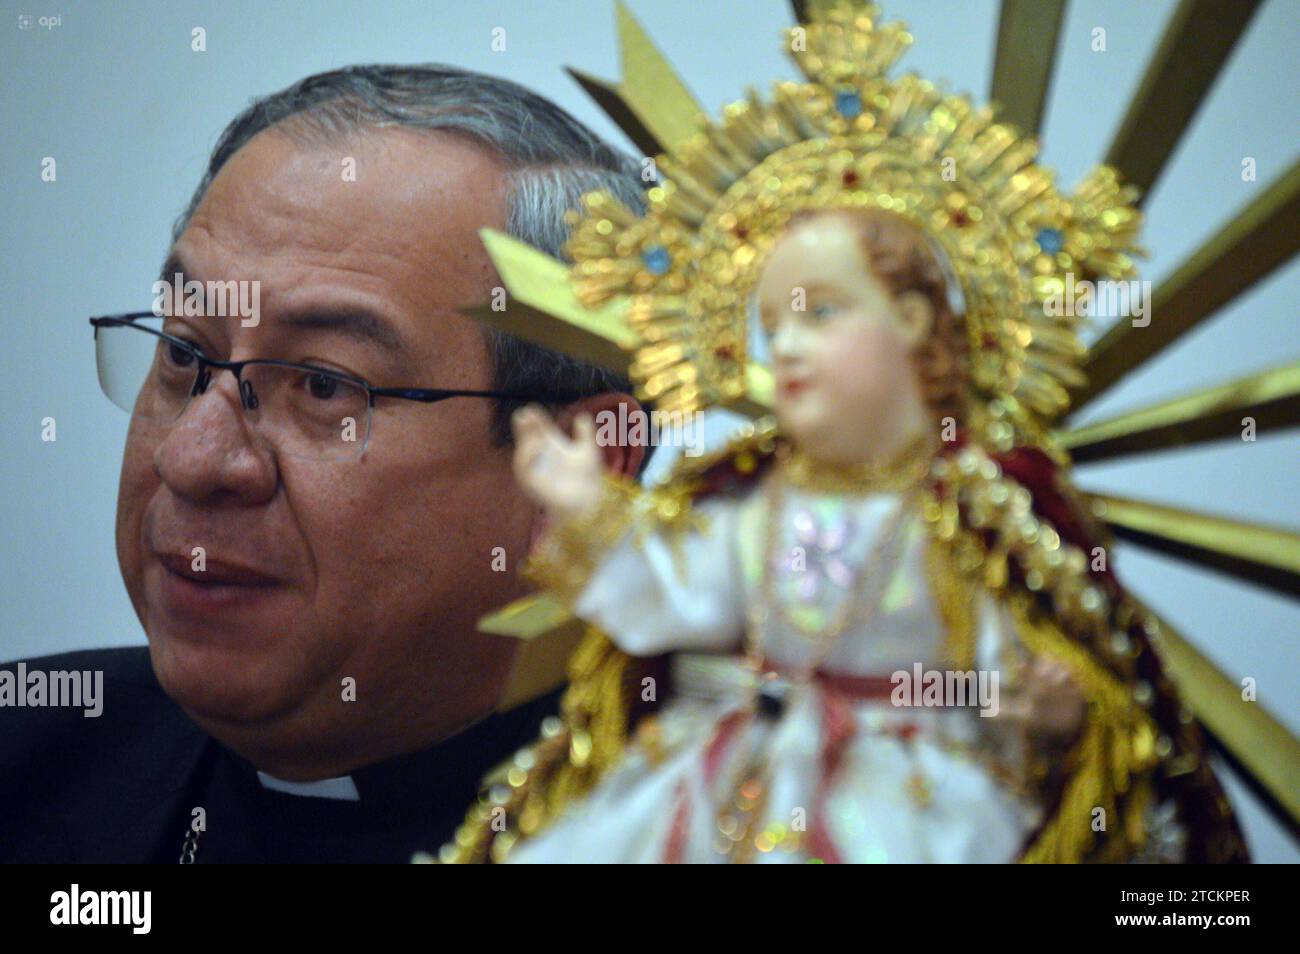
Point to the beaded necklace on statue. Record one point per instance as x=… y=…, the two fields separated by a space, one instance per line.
x=902 y=473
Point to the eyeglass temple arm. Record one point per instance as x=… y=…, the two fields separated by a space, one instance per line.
x=429 y=395
x=123 y=319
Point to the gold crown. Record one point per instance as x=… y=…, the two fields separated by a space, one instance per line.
x=851 y=137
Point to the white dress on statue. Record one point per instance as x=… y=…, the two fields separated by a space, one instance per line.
x=845 y=774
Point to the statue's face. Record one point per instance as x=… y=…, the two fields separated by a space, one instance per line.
x=841 y=346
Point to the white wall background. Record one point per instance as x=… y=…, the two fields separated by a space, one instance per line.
x=129 y=112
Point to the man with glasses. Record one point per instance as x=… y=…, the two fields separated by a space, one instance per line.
x=317 y=505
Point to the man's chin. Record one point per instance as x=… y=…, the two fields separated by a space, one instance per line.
x=220 y=684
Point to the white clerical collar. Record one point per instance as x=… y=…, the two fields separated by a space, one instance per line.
x=341 y=789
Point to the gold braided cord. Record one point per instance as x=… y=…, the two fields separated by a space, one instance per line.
x=572 y=755
x=983 y=521
x=980 y=499
x=595 y=702
x=1139 y=738
x=1109 y=766
x=956 y=596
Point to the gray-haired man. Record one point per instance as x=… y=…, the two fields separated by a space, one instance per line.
x=314 y=687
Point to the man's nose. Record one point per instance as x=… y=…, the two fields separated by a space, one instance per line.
x=212 y=451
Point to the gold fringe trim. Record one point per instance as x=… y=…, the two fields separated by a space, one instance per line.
x=1110 y=766
x=955 y=594
x=572 y=755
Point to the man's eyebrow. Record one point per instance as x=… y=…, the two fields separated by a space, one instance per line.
x=358 y=323
x=174 y=265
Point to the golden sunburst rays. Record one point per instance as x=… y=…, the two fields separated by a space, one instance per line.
x=1258 y=240
x=1195 y=46
x=1261 y=554
x=1252 y=737
x=1271 y=399
x=651 y=103
x=542 y=306
x=1028 y=34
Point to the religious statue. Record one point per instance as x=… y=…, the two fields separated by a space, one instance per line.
x=880 y=625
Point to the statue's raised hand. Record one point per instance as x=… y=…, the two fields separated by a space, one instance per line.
x=560 y=473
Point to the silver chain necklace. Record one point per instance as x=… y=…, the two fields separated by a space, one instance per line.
x=190 y=847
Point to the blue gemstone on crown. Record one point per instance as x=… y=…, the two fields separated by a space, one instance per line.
x=1050 y=240
x=657 y=260
x=848 y=103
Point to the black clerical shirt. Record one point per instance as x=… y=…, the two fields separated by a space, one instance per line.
x=122 y=787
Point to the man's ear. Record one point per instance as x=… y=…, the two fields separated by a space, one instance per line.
x=916 y=314
x=620 y=458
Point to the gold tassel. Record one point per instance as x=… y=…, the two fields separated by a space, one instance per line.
x=1109 y=767
x=565 y=764
x=955 y=596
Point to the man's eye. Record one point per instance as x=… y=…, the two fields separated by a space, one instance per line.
x=322 y=386
x=179 y=356
x=823 y=310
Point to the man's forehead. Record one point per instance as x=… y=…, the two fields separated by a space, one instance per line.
x=399 y=239
x=394 y=192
